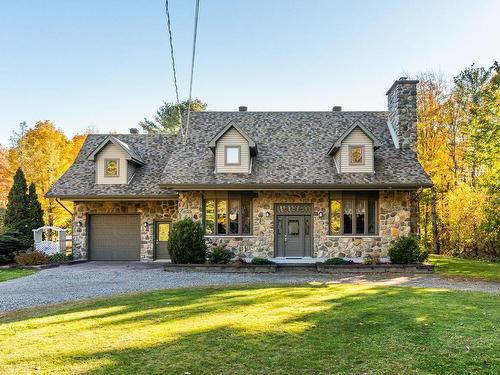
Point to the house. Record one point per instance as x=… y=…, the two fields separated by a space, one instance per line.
x=270 y=184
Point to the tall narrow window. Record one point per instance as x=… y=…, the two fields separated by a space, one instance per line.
x=210 y=217
x=221 y=216
x=371 y=216
x=234 y=216
x=360 y=216
x=246 y=214
x=348 y=217
x=335 y=205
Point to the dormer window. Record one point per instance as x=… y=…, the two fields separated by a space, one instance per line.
x=233 y=150
x=112 y=167
x=356 y=155
x=232 y=155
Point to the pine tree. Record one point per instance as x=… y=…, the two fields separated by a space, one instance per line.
x=35 y=212
x=16 y=219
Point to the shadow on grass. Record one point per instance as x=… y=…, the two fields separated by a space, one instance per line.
x=284 y=330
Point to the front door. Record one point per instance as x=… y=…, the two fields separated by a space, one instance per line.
x=293 y=230
x=162 y=230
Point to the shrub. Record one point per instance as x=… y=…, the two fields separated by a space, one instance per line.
x=219 y=255
x=10 y=244
x=4 y=259
x=186 y=243
x=31 y=258
x=337 y=261
x=261 y=261
x=60 y=257
x=371 y=259
x=407 y=250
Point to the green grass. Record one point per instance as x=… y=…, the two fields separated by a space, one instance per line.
x=14 y=273
x=311 y=329
x=466 y=268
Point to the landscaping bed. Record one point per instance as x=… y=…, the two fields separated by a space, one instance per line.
x=374 y=268
x=224 y=268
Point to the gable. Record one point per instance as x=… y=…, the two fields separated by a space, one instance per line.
x=357 y=138
x=232 y=138
x=111 y=152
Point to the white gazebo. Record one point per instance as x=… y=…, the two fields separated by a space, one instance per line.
x=45 y=245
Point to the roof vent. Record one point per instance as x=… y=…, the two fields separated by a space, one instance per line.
x=134 y=131
x=242 y=108
x=337 y=108
x=403 y=78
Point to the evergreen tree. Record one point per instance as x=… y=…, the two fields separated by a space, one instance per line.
x=16 y=219
x=35 y=212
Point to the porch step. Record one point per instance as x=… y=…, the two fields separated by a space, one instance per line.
x=296 y=268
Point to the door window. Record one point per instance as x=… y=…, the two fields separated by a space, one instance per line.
x=163 y=231
x=293 y=227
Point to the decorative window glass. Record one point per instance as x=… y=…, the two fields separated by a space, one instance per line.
x=112 y=167
x=231 y=215
x=232 y=155
x=353 y=213
x=356 y=155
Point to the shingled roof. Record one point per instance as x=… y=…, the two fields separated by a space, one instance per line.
x=293 y=153
x=79 y=180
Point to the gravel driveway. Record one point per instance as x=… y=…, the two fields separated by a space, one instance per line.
x=85 y=280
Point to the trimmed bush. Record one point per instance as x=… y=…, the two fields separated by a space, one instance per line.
x=407 y=250
x=60 y=257
x=261 y=261
x=337 y=261
x=31 y=258
x=186 y=243
x=10 y=244
x=219 y=255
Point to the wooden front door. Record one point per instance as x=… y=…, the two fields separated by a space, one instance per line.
x=162 y=231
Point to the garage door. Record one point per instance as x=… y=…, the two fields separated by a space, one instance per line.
x=114 y=237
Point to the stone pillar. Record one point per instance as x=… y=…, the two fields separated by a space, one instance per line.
x=402 y=103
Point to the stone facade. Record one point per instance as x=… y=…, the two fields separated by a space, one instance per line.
x=394 y=221
x=402 y=103
x=148 y=210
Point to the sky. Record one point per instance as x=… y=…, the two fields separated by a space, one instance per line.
x=106 y=64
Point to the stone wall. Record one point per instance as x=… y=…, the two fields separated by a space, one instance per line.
x=148 y=210
x=394 y=221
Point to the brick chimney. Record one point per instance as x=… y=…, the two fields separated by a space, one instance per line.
x=402 y=103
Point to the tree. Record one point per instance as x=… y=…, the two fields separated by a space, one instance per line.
x=16 y=217
x=45 y=153
x=168 y=117
x=34 y=208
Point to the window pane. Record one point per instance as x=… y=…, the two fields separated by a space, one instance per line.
x=335 y=216
x=112 y=168
x=163 y=230
x=232 y=155
x=371 y=216
x=234 y=214
x=360 y=216
x=348 y=217
x=293 y=227
x=210 y=217
x=245 y=216
x=356 y=155
x=221 y=217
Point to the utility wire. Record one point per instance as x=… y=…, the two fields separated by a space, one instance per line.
x=196 y=13
x=173 y=64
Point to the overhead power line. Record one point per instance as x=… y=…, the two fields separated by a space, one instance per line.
x=173 y=62
x=196 y=13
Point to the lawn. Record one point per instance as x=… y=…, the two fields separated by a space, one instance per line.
x=311 y=329
x=14 y=273
x=466 y=268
